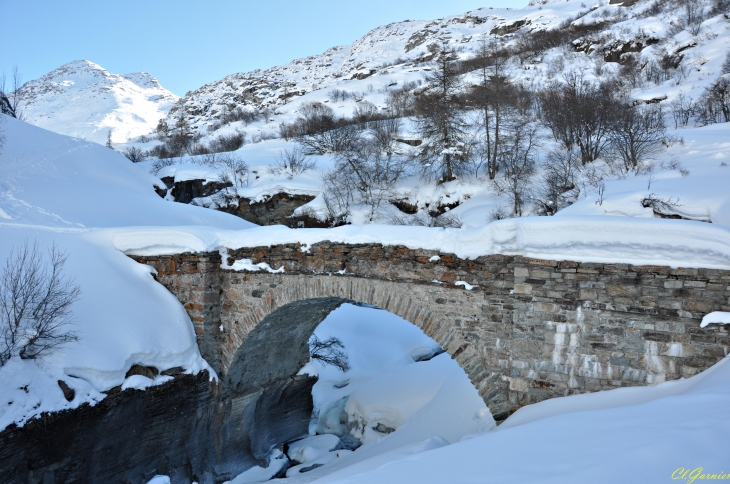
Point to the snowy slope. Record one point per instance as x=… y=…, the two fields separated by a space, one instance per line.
x=657 y=434
x=84 y=100
x=55 y=190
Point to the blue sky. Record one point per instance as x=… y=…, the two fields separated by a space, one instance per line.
x=186 y=43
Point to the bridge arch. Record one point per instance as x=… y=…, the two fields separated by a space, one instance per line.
x=269 y=319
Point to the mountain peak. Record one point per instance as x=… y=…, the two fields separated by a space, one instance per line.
x=84 y=100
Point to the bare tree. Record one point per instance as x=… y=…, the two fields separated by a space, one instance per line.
x=291 y=162
x=714 y=106
x=580 y=113
x=329 y=352
x=10 y=97
x=639 y=133
x=2 y=132
x=492 y=96
x=725 y=69
x=693 y=15
x=558 y=186
x=517 y=164
x=35 y=304
x=683 y=108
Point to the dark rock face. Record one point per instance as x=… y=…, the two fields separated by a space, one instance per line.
x=190 y=429
x=509 y=29
x=275 y=210
x=68 y=393
x=6 y=107
x=186 y=191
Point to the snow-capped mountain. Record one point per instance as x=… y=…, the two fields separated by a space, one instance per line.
x=84 y=100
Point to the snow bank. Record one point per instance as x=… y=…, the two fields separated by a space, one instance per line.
x=428 y=403
x=675 y=243
x=123 y=317
x=54 y=190
x=277 y=461
x=392 y=399
x=51 y=180
x=652 y=434
x=718 y=317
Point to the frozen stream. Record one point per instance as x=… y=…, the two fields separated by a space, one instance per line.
x=396 y=399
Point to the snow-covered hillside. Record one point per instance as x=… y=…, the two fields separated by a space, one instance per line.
x=395 y=51
x=544 y=42
x=396 y=48
x=84 y=100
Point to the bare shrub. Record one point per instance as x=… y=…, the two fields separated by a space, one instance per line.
x=161 y=163
x=370 y=167
x=447 y=220
x=234 y=172
x=498 y=213
x=35 y=304
x=337 y=95
x=329 y=352
x=263 y=136
x=558 y=186
x=517 y=164
x=319 y=131
x=579 y=114
x=134 y=154
x=291 y=162
x=337 y=195
x=662 y=206
x=228 y=142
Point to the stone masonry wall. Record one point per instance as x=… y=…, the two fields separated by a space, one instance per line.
x=528 y=330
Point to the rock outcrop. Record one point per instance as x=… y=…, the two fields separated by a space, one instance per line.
x=191 y=429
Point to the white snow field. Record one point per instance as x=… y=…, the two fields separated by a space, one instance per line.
x=84 y=100
x=672 y=431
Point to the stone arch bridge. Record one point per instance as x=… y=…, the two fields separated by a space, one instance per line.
x=524 y=330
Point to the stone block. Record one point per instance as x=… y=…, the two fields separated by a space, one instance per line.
x=522 y=272
x=698 y=305
x=588 y=295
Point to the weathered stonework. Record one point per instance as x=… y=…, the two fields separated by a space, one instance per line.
x=530 y=330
